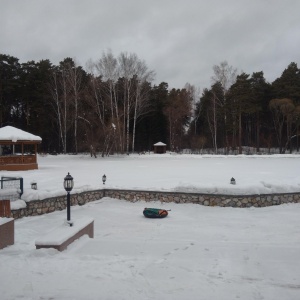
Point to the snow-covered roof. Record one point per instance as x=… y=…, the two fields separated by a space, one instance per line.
x=9 y=133
x=160 y=144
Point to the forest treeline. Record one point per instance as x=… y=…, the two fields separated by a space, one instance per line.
x=113 y=106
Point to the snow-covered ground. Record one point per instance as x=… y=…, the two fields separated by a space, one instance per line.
x=196 y=252
x=169 y=172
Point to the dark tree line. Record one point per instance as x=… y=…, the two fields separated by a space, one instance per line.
x=112 y=106
x=250 y=112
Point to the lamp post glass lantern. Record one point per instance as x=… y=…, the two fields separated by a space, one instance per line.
x=34 y=185
x=104 y=178
x=232 y=180
x=68 y=185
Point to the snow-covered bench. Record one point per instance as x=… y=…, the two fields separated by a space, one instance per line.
x=61 y=237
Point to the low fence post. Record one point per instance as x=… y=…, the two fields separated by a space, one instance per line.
x=21 y=186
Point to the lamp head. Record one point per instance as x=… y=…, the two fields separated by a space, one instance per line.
x=68 y=183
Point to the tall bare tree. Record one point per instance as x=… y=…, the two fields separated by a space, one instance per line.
x=75 y=78
x=226 y=75
x=54 y=91
x=214 y=111
x=123 y=84
x=109 y=70
x=59 y=89
x=127 y=63
x=142 y=89
x=135 y=74
x=195 y=97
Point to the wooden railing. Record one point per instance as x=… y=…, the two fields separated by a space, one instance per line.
x=17 y=159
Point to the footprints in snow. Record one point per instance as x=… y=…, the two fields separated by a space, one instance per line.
x=172 y=252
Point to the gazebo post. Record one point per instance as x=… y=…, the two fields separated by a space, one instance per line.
x=35 y=152
x=22 y=153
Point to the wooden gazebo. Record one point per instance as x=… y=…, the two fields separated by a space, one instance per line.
x=18 y=149
x=160 y=148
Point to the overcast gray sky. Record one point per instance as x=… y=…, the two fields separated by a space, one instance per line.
x=180 y=40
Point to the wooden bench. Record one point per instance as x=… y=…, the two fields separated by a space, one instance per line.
x=61 y=237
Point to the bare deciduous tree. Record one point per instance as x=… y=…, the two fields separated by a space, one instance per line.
x=59 y=90
x=141 y=105
x=226 y=75
x=195 y=97
x=74 y=76
x=135 y=74
x=120 y=88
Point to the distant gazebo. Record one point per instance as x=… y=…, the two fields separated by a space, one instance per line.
x=160 y=148
x=18 y=149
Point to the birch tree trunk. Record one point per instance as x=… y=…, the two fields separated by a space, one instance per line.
x=75 y=80
x=54 y=90
x=226 y=75
x=64 y=84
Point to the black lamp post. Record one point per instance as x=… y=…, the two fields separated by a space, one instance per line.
x=232 y=181
x=104 y=178
x=68 y=185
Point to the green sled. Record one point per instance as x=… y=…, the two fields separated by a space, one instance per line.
x=155 y=213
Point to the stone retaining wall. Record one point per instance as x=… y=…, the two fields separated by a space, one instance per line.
x=39 y=207
x=205 y=199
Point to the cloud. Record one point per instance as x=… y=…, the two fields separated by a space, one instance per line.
x=180 y=40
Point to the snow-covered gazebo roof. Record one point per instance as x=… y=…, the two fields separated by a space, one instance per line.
x=12 y=134
x=160 y=148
